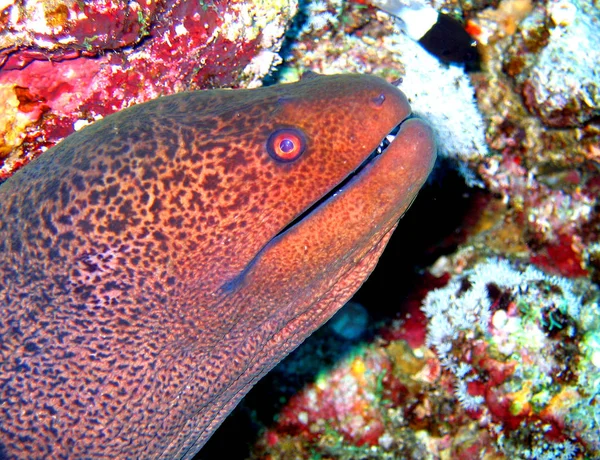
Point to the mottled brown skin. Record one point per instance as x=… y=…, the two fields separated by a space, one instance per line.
x=143 y=290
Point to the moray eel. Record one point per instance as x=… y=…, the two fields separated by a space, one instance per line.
x=156 y=264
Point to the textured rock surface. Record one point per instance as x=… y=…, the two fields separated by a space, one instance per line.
x=554 y=58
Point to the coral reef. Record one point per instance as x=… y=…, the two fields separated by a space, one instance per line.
x=522 y=347
x=553 y=59
x=65 y=64
x=500 y=361
x=431 y=82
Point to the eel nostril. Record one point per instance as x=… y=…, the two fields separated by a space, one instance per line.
x=379 y=100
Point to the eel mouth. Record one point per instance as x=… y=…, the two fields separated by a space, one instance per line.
x=397 y=136
x=339 y=188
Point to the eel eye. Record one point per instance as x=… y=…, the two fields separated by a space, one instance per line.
x=286 y=144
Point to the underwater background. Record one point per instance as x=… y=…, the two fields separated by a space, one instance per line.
x=478 y=334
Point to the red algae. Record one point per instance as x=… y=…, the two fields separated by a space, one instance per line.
x=561 y=258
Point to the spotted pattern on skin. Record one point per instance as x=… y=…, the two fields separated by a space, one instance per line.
x=135 y=309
